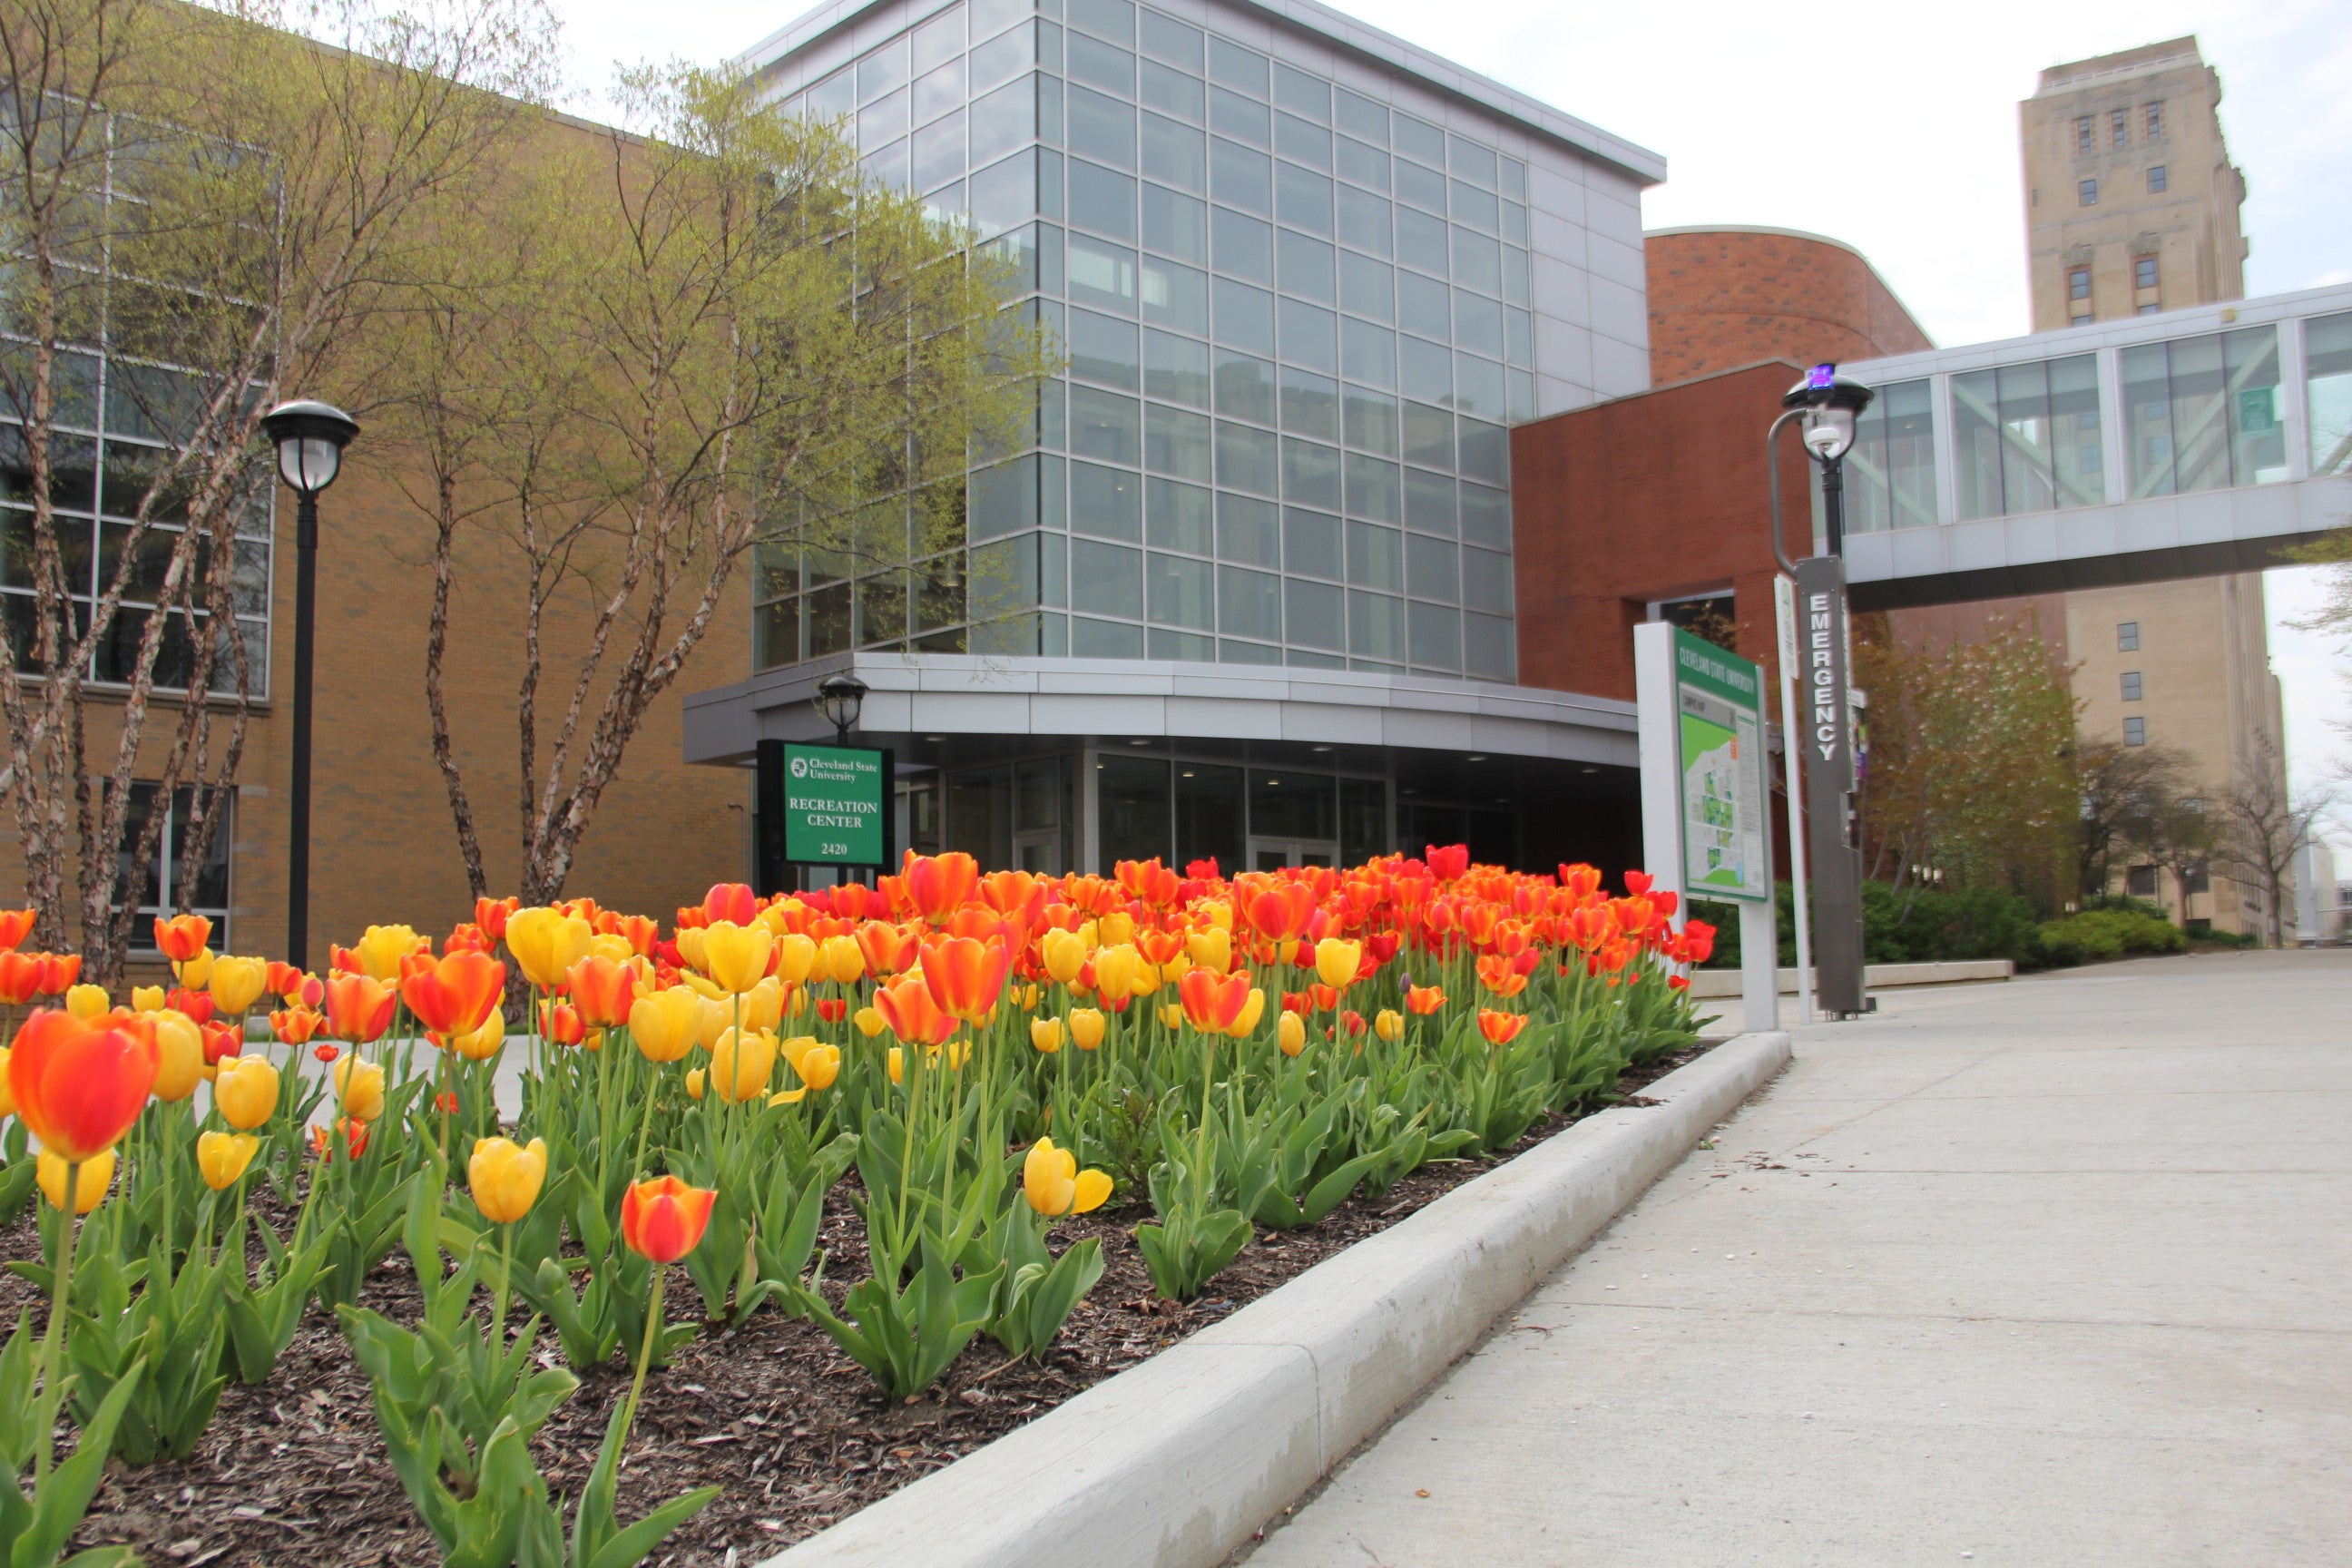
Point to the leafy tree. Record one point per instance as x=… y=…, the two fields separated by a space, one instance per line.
x=2126 y=792
x=215 y=205
x=645 y=350
x=1969 y=774
x=2263 y=824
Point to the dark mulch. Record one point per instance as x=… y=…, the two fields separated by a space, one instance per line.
x=291 y=1471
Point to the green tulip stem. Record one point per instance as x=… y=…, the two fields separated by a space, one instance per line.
x=645 y=1358
x=53 y=1346
x=499 y=1295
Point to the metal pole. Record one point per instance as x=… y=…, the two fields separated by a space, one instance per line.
x=306 y=614
x=1792 y=750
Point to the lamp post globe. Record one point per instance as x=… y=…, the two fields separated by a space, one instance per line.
x=310 y=438
x=840 y=698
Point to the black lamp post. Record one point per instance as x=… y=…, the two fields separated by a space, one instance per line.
x=840 y=698
x=310 y=438
x=1825 y=405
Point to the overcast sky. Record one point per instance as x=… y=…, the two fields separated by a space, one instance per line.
x=1892 y=128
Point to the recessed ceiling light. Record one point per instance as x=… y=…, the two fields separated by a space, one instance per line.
x=1139 y=742
x=1476 y=757
x=1188 y=772
x=1591 y=770
x=1322 y=748
x=935 y=737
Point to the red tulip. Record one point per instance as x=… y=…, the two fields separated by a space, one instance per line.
x=1638 y=882
x=664 y=1219
x=79 y=1083
x=452 y=996
x=729 y=901
x=1448 y=863
x=1280 y=912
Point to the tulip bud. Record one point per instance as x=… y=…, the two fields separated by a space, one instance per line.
x=237 y=983
x=179 y=1055
x=480 y=1045
x=505 y=1179
x=736 y=957
x=1045 y=1034
x=844 y=961
x=764 y=1005
x=694 y=1083
x=146 y=998
x=1337 y=961
x=1065 y=954
x=197 y=972
x=91 y=1181
x=246 y=1090
x=818 y=1066
x=1173 y=1015
x=359 y=1088
x=1115 y=973
x=1290 y=1034
x=1086 y=1027
x=870 y=1024
x=1390 y=1025
x=86 y=1002
x=795 y=957
x=222 y=1157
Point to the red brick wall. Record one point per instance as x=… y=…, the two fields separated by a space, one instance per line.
x=1720 y=297
x=1650 y=497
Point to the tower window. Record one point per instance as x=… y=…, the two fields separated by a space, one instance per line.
x=2155 y=119
x=2085 y=136
x=2144 y=272
x=2127 y=637
x=2131 y=686
x=2135 y=732
x=2086 y=192
x=2157 y=180
x=2119 y=127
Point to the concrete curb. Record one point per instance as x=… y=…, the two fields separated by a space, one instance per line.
x=1715 y=984
x=1175 y=1463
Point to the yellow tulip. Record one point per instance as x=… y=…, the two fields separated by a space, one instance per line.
x=690 y=946
x=1290 y=1034
x=222 y=1157
x=547 y=943
x=1337 y=961
x=1173 y=1015
x=7 y=1095
x=1053 y=1184
x=146 y=998
x=611 y=946
x=1145 y=980
x=818 y=1067
x=1252 y=1011
x=764 y=1005
x=1086 y=1027
x=897 y=1065
x=504 y=1178
x=1115 y=969
x=359 y=1088
x=795 y=956
x=379 y=950
x=844 y=961
x=485 y=1042
x=740 y=1065
x=1389 y=1025
x=1115 y=929
x=237 y=983
x=694 y=1083
x=870 y=1024
x=1175 y=968
x=179 y=1055
x=197 y=972
x=89 y=1183
x=666 y=1024
x=245 y=1089
x=1211 y=949
x=736 y=957
x=1025 y=997
x=1045 y=1034
x=87 y=1002
x=1065 y=952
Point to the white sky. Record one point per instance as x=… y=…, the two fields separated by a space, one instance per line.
x=1893 y=127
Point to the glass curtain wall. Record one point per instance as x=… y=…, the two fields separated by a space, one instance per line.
x=1890 y=471
x=2327 y=392
x=2026 y=437
x=2204 y=413
x=1297 y=325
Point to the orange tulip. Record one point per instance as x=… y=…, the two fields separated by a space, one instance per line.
x=294 y=985
x=59 y=971
x=1501 y=1028
x=1497 y=974
x=79 y=1083
x=908 y=1009
x=20 y=977
x=966 y=976
x=296 y=1025
x=887 y=948
x=16 y=925
x=937 y=884
x=181 y=937
x=1424 y=999
x=359 y=1008
x=491 y=914
x=1213 y=1002
x=457 y=992
x=664 y=1219
x=602 y=990
x=560 y=1022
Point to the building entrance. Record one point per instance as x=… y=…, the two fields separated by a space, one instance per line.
x=1274 y=854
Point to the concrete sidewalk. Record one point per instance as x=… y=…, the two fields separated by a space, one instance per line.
x=2051 y=1273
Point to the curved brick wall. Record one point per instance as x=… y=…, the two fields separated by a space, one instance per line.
x=1728 y=297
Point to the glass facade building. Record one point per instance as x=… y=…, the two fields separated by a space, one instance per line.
x=1302 y=300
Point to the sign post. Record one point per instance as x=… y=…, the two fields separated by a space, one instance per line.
x=823 y=806
x=1792 y=756
x=1827 y=734
x=1707 y=809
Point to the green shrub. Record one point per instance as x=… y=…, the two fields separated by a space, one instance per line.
x=1917 y=925
x=2109 y=931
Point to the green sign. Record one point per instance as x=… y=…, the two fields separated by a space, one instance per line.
x=1719 y=706
x=834 y=803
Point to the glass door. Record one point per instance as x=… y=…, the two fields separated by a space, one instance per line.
x=1274 y=854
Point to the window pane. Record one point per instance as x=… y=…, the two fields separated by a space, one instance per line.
x=1175 y=296
x=1246 y=459
x=1422 y=240
x=1372 y=490
x=1176 y=153
x=1375 y=625
x=1104 y=127
x=1432 y=569
x=1175 y=223
x=1106 y=578
x=1368 y=352
x=1244 y=315
x=1101 y=274
x=1107 y=426
x=1478 y=261
x=1174 y=93
x=1486 y=580
x=1310 y=543
x=1307 y=267
x=1423 y=306
x=2149 y=414
x=1303 y=197
x=1428 y=435
x=1367 y=287
x=1424 y=188
x=2257 y=437
x=1102 y=64
x=2328 y=363
x=1318 y=613
x=2201 y=431
x=1105 y=501
x=1310 y=474
x=1234 y=115
x=1249 y=604
x=1242 y=245
x=1170 y=39
x=1103 y=348
x=1478 y=324
x=1180 y=516
x=1091 y=638
x=1182 y=593
x=1891 y=470
x=1176 y=369
x=1240 y=176
x=1365 y=165
x=1372 y=419
x=1473 y=205
x=1310 y=335
x=1311 y=403
x=1478 y=386
x=1486 y=516
x=1237 y=66
x=1364 y=220
x=1486 y=452
x=1360 y=116
x=1176 y=442
x=1488 y=648
x=1245 y=387
x=1436 y=636
x=1101 y=199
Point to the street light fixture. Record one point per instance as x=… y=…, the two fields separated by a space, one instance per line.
x=310 y=438
x=840 y=698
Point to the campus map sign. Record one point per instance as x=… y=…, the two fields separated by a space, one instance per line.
x=834 y=802
x=1719 y=746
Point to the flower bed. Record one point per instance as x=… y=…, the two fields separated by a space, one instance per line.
x=1028 y=1132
